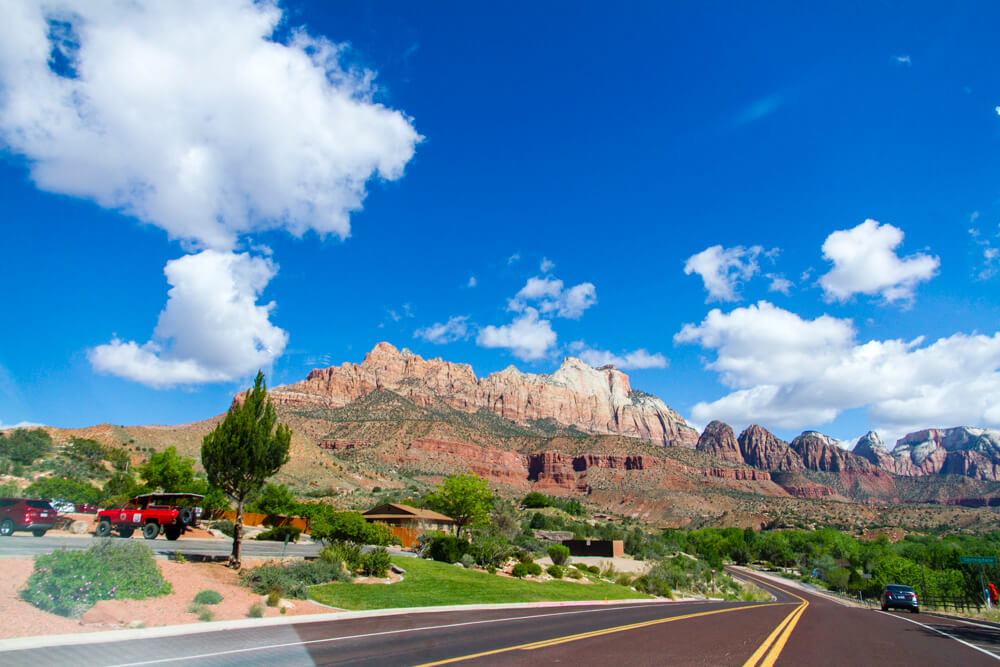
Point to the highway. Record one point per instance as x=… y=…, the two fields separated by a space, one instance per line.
x=796 y=628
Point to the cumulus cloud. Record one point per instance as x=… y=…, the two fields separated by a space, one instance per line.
x=903 y=60
x=550 y=297
x=865 y=262
x=779 y=283
x=795 y=373
x=528 y=337
x=211 y=328
x=199 y=119
x=456 y=328
x=22 y=424
x=988 y=261
x=546 y=265
x=724 y=269
x=189 y=116
x=628 y=360
x=472 y=282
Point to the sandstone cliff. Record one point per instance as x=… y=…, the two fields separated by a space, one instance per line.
x=761 y=449
x=719 y=440
x=593 y=400
x=971 y=452
x=820 y=452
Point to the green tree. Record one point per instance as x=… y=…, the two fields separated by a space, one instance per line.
x=70 y=490
x=350 y=527
x=465 y=498
x=89 y=451
x=169 y=471
x=25 y=446
x=119 y=459
x=276 y=500
x=536 y=499
x=242 y=452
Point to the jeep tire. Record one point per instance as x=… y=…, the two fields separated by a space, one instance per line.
x=151 y=530
x=103 y=528
x=38 y=532
x=7 y=528
x=172 y=532
x=186 y=516
x=125 y=532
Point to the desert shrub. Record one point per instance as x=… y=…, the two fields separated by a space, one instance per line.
x=69 y=583
x=255 y=611
x=24 y=446
x=525 y=558
x=9 y=489
x=291 y=580
x=489 y=548
x=350 y=527
x=593 y=569
x=347 y=553
x=225 y=526
x=447 y=548
x=582 y=567
x=273 y=598
x=208 y=597
x=554 y=571
x=205 y=614
x=623 y=579
x=376 y=562
x=467 y=561
x=524 y=569
x=536 y=500
x=573 y=573
x=274 y=500
x=280 y=533
x=559 y=553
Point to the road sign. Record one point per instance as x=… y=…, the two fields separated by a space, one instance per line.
x=978 y=560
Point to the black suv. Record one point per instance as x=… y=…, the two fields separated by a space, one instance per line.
x=899 y=597
x=37 y=516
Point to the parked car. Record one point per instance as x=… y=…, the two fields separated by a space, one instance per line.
x=895 y=596
x=62 y=506
x=153 y=513
x=37 y=516
x=86 y=508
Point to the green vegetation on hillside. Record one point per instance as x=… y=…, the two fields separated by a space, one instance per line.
x=430 y=583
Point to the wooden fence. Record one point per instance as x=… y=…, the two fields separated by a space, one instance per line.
x=964 y=603
x=255 y=519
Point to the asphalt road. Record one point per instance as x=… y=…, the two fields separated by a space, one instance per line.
x=797 y=628
x=26 y=546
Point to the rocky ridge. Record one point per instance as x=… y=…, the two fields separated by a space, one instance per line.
x=593 y=400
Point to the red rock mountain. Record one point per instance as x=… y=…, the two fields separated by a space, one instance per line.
x=594 y=400
x=761 y=449
x=719 y=440
x=820 y=452
x=971 y=452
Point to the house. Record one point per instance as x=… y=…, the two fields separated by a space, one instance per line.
x=604 y=548
x=406 y=522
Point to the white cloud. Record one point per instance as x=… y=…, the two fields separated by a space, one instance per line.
x=864 y=262
x=546 y=265
x=779 y=283
x=723 y=269
x=903 y=60
x=635 y=359
x=796 y=373
x=550 y=297
x=513 y=258
x=7 y=427
x=456 y=328
x=527 y=337
x=186 y=115
x=989 y=263
x=211 y=329
x=472 y=282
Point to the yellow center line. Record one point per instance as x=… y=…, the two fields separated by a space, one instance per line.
x=594 y=633
x=779 y=636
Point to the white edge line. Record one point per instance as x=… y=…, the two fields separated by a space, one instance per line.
x=400 y=631
x=929 y=627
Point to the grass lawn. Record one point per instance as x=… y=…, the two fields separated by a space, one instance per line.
x=430 y=583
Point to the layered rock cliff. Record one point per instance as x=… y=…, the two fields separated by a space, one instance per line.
x=594 y=400
x=719 y=440
x=761 y=449
x=962 y=450
x=823 y=453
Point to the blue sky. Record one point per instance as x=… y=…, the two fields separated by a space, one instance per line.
x=680 y=190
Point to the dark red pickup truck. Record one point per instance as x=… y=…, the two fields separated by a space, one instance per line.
x=153 y=513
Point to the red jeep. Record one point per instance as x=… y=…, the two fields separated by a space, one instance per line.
x=169 y=513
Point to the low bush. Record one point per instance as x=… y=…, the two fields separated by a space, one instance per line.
x=291 y=580
x=273 y=598
x=69 y=583
x=207 y=597
x=280 y=533
x=623 y=579
x=205 y=614
x=573 y=573
x=255 y=611
x=522 y=570
x=593 y=569
x=447 y=548
x=225 y=526
x=559 y=553
x=347 y=553
x=582 y=567
x=376 y=563
x=467 y=561
x=554 y=571
x=525 y=558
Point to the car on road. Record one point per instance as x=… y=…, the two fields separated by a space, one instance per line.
x=170 y=513
x=63 y=506
x=31 y=514
x=896 y=596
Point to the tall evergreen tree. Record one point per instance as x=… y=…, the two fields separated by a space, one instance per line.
x=242 y=452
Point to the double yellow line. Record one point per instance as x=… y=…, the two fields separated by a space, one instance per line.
x=775 y=642
x=593 y=633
